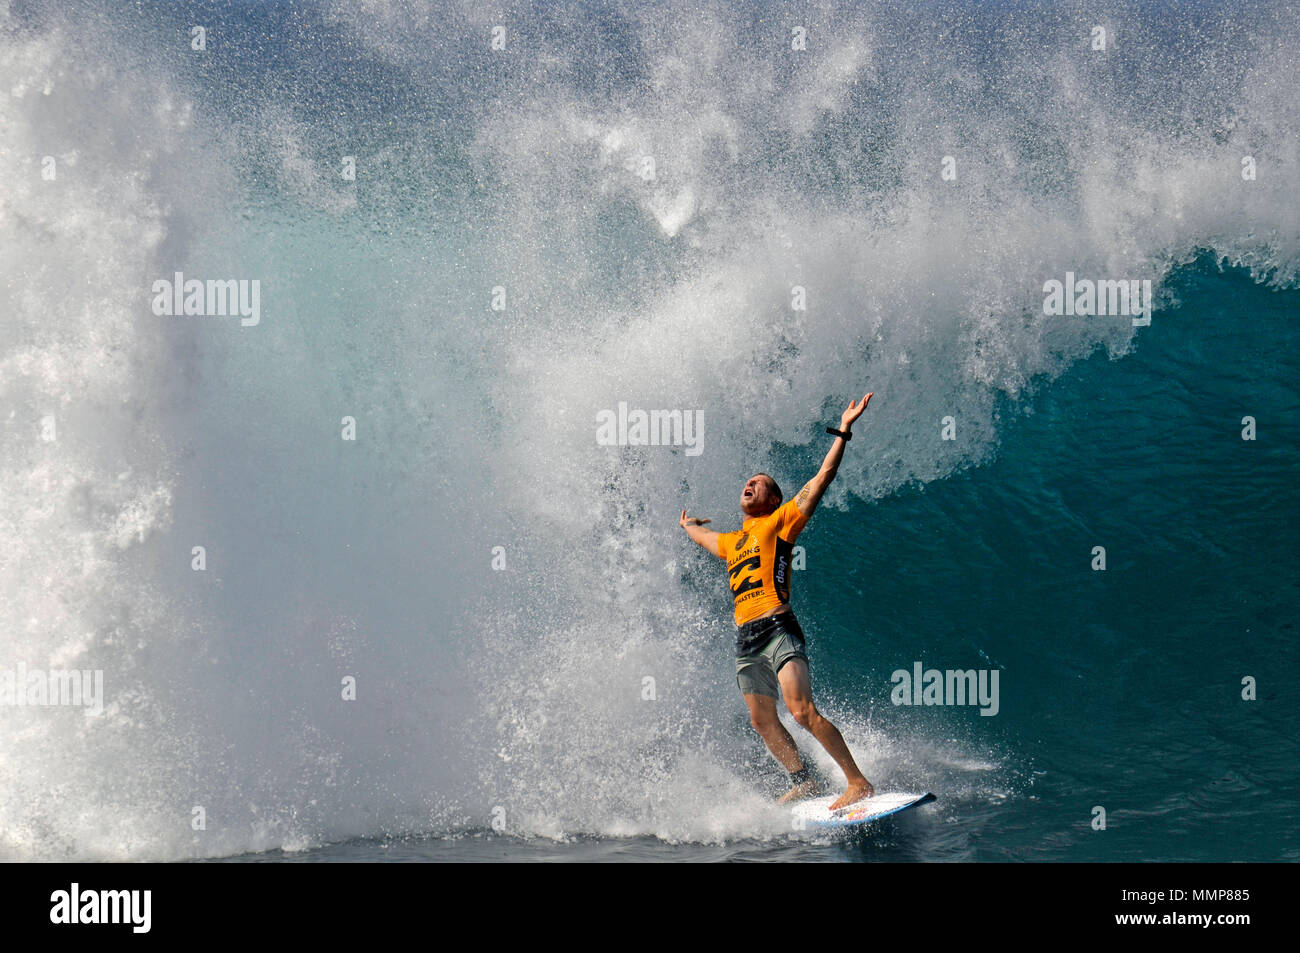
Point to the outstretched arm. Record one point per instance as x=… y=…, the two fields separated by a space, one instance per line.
x=812 y=491
x=696 y=531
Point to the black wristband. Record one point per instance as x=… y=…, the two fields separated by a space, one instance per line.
x=840 y=433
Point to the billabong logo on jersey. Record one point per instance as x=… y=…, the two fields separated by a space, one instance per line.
x=746 y=575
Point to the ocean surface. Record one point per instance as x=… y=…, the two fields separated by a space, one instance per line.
x=362 y=582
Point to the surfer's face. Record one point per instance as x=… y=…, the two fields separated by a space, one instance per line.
x=758 y=497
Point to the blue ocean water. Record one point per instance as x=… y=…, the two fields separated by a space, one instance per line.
x=541 y=659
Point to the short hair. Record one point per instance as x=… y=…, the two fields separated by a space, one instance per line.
x=775 y=489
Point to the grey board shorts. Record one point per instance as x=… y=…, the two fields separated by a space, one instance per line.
x=762 y=647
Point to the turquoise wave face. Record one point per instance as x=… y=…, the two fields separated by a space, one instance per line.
x=468 y=256
x=1120 y=687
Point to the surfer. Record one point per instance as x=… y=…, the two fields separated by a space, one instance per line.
x=769 y=643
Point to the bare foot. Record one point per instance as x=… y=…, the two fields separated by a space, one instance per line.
x=858 y=791
x=809 y=788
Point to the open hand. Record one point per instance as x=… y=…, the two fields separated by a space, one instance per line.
x=854 y=412
x=692 y=521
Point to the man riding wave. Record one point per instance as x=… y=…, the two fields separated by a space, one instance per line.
x=770 y=657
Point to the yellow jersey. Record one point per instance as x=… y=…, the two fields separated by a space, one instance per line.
x=758 y=560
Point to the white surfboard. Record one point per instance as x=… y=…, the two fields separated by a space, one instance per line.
x=817 y=811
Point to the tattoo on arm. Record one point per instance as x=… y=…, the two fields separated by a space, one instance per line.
x=802 y=498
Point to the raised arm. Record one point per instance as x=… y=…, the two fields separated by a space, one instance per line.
x=696 y=531
x=812 y=491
